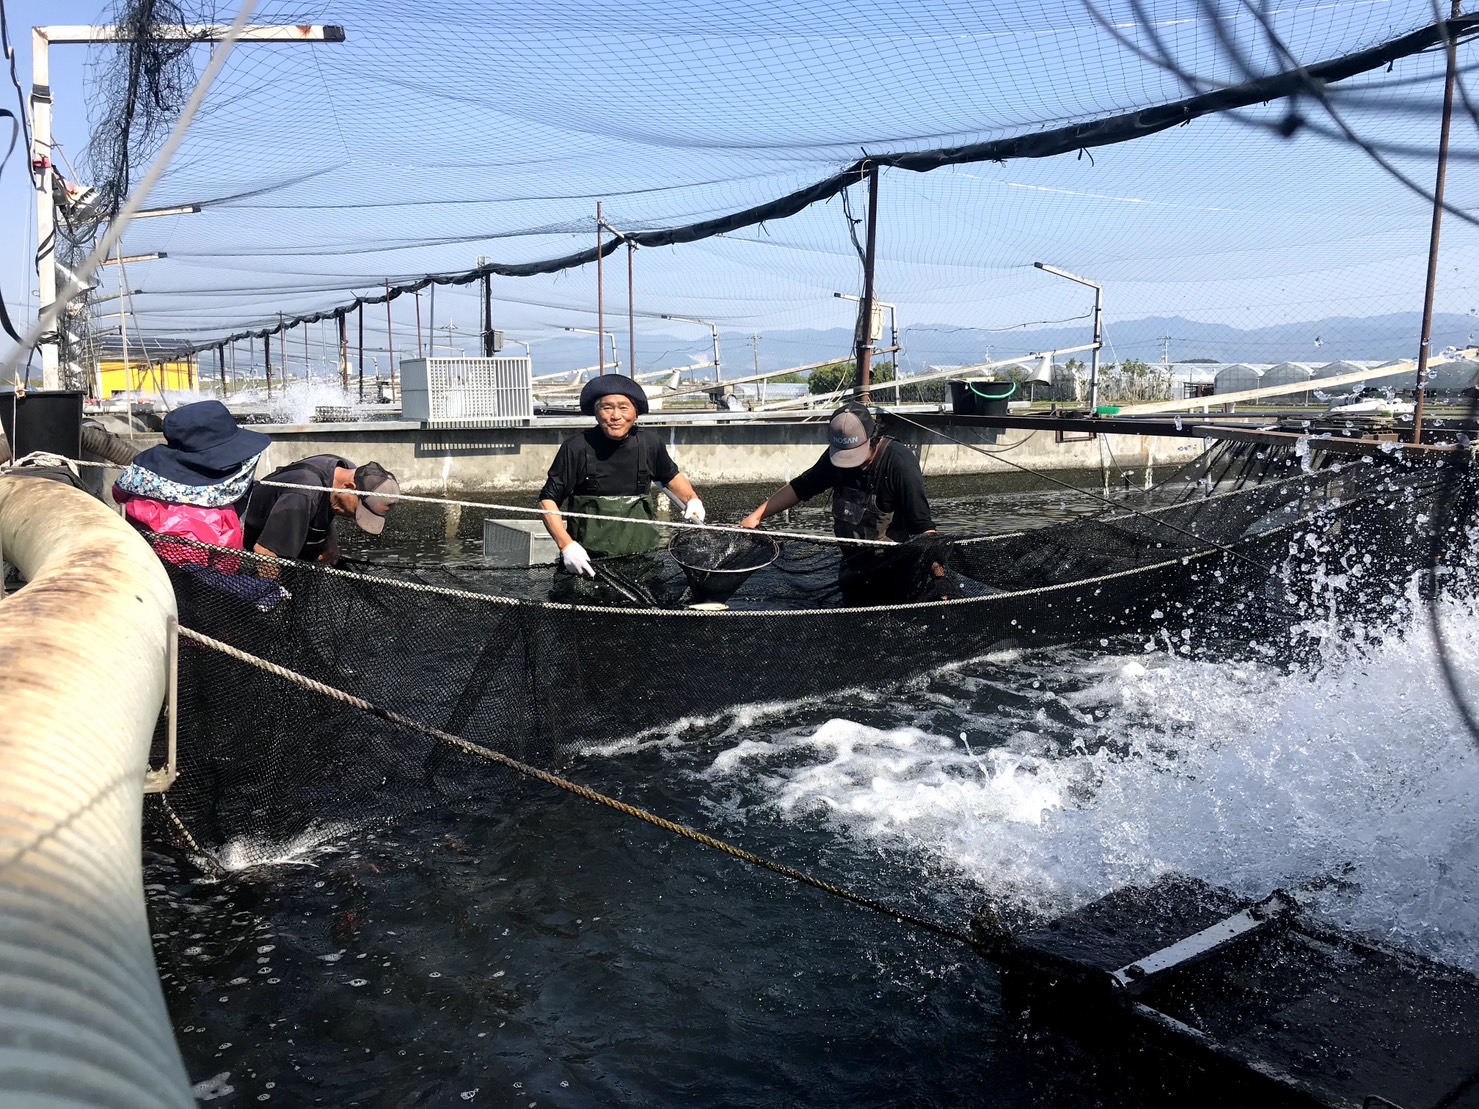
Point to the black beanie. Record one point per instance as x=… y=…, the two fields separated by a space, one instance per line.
x=605 y=386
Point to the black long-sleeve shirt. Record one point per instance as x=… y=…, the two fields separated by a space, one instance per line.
x=592 y=463
x=899 y=488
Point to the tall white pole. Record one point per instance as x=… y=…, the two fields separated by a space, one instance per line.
x=45 y=206
x=1098 y=344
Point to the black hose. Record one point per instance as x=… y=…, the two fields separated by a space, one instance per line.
x=106 y=445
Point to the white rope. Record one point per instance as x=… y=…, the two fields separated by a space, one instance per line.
x=45 y=459
x=808 y=536
x=811 y=537
x=606 y=611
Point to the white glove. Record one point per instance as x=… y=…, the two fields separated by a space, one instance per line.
x=577 y=561
x=693 y=511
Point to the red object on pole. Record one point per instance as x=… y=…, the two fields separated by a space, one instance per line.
x=865 y=307
x=600 y=299
x=1432 y=286
x=631 y=312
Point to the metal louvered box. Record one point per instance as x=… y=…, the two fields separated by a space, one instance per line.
x=467 y=392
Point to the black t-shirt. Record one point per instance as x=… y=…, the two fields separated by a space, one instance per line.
x=294 y=523
x=899 y=488
x=594 y=464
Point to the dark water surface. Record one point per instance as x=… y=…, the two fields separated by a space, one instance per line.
x=527 y=948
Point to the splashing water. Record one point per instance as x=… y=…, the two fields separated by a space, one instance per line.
x=297 y=403
x=1051 y=789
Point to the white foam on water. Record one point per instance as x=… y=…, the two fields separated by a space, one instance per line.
x=1240 y=773
x=301 y=850
x=217 y=1086
x=297 y=403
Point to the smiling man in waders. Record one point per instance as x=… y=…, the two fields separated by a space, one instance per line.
x=877 y=493
x=609 y=470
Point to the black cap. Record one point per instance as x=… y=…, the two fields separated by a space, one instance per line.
x=608 y=385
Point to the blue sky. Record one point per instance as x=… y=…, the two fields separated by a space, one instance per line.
x=448 y=130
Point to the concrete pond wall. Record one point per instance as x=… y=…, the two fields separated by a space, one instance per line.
x=504 y=460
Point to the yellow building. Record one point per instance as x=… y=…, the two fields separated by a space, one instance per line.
x=140 y=377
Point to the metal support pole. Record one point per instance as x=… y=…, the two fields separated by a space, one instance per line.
x=631 y=312
x=600 y=297
x=488 y=315
x=361 y=359
x=1098 y=346
x=419 y=352
x=343 y=353
x=1098 y=343
x=431 y=324
x=45 y=206
x=389 y=339
x=865 y=309
x=1431 y=290
x=128 y=372
x=221 y=366
x=307 y=364
x=267 y=361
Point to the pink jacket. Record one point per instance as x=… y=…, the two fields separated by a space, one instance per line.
x=220 y=527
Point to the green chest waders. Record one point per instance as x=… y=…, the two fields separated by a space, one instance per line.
x=613 y=538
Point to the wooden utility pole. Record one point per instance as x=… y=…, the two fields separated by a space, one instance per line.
x=1430 y=291
x=865 y=308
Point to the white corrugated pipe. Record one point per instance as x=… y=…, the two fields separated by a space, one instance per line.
x=82 y=678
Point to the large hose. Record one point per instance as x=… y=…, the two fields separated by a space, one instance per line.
x=101 y=443
x=82 y=677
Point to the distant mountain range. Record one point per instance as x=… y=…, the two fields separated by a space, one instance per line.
x=1361 y=338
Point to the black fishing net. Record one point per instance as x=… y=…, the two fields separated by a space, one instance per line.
x=484 y=655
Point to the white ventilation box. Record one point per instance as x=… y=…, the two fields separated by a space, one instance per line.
x=467 y=392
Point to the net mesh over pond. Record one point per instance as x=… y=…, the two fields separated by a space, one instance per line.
x=1244 y=536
